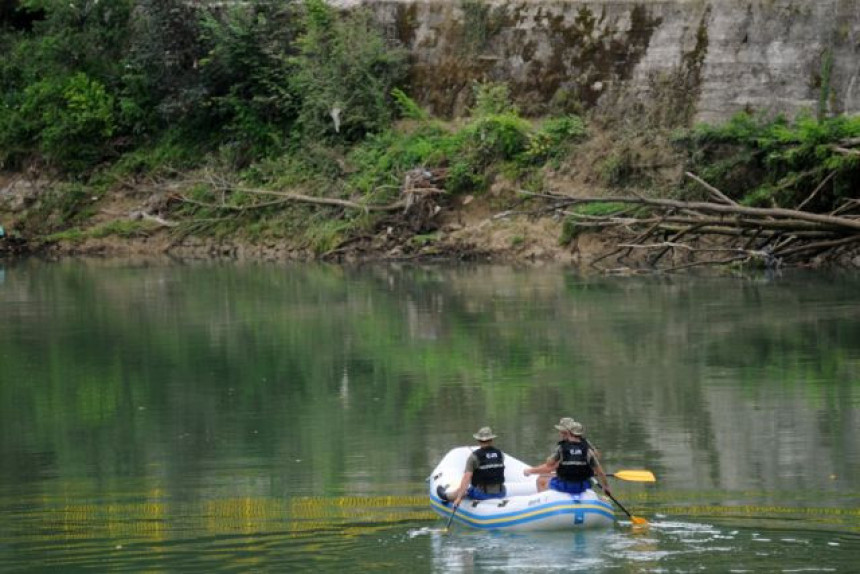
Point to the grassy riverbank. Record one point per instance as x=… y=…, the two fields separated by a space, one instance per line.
x=287 y=132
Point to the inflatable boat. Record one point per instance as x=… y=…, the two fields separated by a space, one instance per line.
x=523 y=509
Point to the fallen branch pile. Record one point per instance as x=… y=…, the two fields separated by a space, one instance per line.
x=672 y=230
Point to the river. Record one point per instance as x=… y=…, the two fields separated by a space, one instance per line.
x=235 y=418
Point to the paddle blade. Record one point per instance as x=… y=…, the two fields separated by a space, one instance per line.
x=635 y=475
x=638 y=521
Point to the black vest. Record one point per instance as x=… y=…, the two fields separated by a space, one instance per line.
x=491 y=467
x=573 y=463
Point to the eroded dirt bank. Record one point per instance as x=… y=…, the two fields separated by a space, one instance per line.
x=502 y=225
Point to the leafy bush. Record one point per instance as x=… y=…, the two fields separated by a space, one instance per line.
x=57 y=82
x=554 y=138
x=68 y=120
x=162 y=80
x=771 y=161
x=492 y=99
x=246 y=75
x=345 y=74
x=382 y=160
x=407 y=106
x=497 y=137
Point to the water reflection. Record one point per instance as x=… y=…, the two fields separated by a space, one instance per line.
x=666 y=546
x=468 y=552
x=206 y=401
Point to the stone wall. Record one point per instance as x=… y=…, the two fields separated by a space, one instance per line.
x=673 y=61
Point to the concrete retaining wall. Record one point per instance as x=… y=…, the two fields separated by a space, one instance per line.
x=676 y=61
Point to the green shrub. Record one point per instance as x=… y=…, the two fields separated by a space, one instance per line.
x=465 y=177
x=381 y=161
x=323 y=236
x=770 y=161
x=492 y=99
x=554 y=138
x=407 y=106
x=246 y=71
x=569 y=230
x=344 y=73
x=496 y=137
x=69 y=120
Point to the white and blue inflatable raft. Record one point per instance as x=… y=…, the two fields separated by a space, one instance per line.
x=523 y=509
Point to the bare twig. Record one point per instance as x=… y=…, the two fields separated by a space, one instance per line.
x=817 y=189
x=700 y=263
x=818 y=246
x=325 y=200
x=719 y=194
x=845 y=151
x=730 y=209
x=158 y=220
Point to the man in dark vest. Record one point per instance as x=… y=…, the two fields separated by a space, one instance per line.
x=484 y=476
x=573 y=461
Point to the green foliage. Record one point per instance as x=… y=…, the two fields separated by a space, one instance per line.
x=464 y=177
x=57 y=82
x=600 y=209
x=381 y=161
x=93 y=80
x=119 y=228
x=407 y=106
x=161 y=158
x=762 y=161
x=495 y=140
x=569 y=230
x=69 y=120
x=344 y=73
x=497 y=137
x=485 y=142
x=323 y=236
x=246 y=71
x=616 y=169
x=425 y=239
x=554 y=138
x=162 y=82
x=492 y=99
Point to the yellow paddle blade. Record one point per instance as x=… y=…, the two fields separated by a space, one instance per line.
x=635 y=475
x=638 y=520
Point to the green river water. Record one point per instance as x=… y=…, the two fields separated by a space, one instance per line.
x=246 y=418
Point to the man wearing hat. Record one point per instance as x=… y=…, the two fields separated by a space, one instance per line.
x=573 y=461
x=484 y=476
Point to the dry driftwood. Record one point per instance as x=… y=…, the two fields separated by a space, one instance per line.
x=417 y=185
x=771 y=235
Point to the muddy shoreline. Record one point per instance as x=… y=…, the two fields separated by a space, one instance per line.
x=494 y=227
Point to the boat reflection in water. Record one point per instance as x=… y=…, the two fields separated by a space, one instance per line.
x=482 y=551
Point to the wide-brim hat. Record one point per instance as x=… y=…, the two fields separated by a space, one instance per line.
x=569 y=425
x=486 y=433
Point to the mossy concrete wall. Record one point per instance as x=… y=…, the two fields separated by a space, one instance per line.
x=672 y=61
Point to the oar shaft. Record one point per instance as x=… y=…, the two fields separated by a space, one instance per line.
x=451 y=518
x=636 y=520
x=621 y=506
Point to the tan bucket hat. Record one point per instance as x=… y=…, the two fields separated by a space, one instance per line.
x=486 y=433
x=571 y=426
